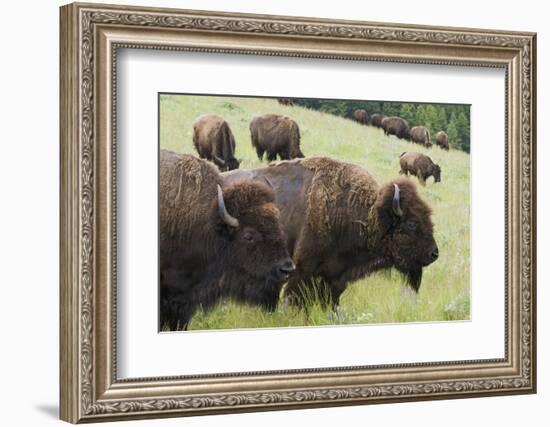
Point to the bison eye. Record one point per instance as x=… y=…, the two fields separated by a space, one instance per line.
x=411 y=225
x=250 y=236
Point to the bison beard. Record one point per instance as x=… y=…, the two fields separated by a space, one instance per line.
x=229 y=245
x=341 y=226
x=413 y=277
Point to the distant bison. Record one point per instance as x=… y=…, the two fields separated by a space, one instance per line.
x=420 y=165
x=214 y=141
x=342 y=226
x=396 y=126
x=420 y=135
x=276 y=135
x=216 y=243
x=376 y=119
x=442 y=140
x=285 y=101
x=361 y=116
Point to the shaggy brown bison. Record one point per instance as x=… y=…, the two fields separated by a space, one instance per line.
x=420 y=165
x=285 y=101
x=342 y=226
x=276 y=135
x=420 y=135
x=361 y=116
x=442 y=140
x=216 y=243
x=214 y=141
x=396 y=126
x=376 y=119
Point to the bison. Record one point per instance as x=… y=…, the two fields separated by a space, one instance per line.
x=396 y=126
x=420 y=135
x=361 y=116
x=342 y=226
x=285 y=101
x=216 y=243
x=376 y=119
x=214 y=141
x=420 y=165
x=442 y=140
x=276 y=135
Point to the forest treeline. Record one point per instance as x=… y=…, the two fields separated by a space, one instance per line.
x=453 y=119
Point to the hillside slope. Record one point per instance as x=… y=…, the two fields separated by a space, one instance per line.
x=445 y=291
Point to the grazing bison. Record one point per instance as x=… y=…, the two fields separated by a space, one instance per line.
x=216 y=243
x=342 y=226
x=442 y=140
x=276 y=135
x=396 y=126
x=285 y=101
x=361 y=116
x=420 y=135
x=376 y=119
x=420 y=165
x=214 y=141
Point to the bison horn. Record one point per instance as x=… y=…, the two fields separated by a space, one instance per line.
x=396 y=203
x=222 y=212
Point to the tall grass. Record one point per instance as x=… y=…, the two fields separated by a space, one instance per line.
x=379 y=298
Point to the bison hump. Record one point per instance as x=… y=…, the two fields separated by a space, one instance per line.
x=339 y=193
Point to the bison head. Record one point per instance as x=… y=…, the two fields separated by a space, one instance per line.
x=232 y=164
x=258 y=262
x=436 y=172
x=296 y=153
x=406 y=230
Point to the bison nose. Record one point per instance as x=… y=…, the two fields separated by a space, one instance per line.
x=435 y=254
x=287 y=266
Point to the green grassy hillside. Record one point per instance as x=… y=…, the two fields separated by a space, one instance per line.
x=445 y=290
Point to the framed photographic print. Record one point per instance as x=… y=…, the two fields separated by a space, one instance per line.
x=266 y=212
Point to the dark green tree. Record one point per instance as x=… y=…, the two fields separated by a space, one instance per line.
x=453 y=119
x=452 y=135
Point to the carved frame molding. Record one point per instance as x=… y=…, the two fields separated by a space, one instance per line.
x=90 y=37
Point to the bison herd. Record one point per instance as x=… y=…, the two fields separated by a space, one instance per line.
x=316 y=224
x=272 y=134
x=401 y=129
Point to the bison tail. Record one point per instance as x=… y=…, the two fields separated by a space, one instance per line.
x=253 y=134
x=228 y=142
x=196 y=141
x=295 y=151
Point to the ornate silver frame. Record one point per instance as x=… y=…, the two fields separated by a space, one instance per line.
x=90 y=36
